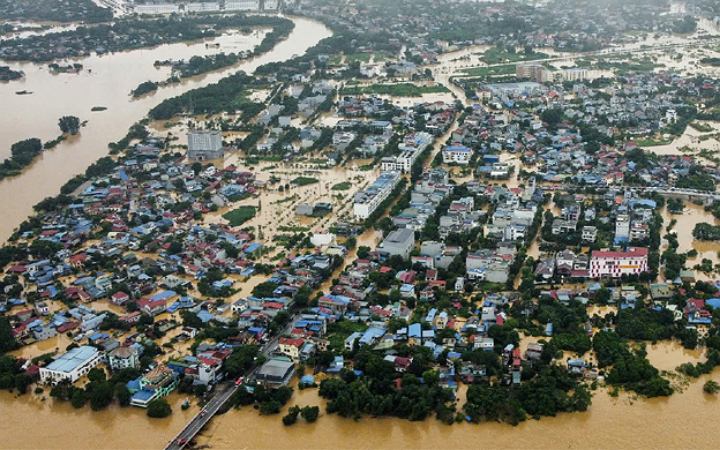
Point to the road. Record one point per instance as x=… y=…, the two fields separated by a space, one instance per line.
x=222 y=394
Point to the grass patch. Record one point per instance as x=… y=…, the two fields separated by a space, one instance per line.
x=497 y=55
x=344 y=186
x=395 y=90
x=339 y=331
x=652 y=142
x=701 y=127
x=304 y=181
x=491 y=71
x=239 y=216
x=286 y=199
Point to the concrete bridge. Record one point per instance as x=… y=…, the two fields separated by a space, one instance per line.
x=223 y=393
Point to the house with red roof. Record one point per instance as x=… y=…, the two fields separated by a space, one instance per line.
x=119 y=298
x=615 y=264
x=291 y=347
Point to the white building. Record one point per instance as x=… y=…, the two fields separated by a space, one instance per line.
x=400 y=242
x=124 y=357
x=242 y=5
x=589 y=233
x=71 y=366
x=457 y=154
x=401 y=163
x=622 y=228
x=367 y=201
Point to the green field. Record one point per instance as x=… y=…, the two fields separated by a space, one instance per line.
x=339 y=331
x=491 y=71
x=344 y=186
x=394 y=90
x=304 y=181
x=652 y=142
x=239 y=216
x=497 y=55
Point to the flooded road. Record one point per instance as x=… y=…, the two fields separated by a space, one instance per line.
x=112 y=78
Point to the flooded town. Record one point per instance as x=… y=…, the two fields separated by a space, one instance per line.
x=359 y=224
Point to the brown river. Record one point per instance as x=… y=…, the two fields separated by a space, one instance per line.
x=681 y=421
x=105 y=81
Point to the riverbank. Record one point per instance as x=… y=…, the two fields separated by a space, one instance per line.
x=622 y=422
x=106 y=83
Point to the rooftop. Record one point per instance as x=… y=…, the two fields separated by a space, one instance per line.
x=73 y=359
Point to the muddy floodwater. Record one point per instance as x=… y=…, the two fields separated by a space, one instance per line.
x=680 y=421
x=29 y=422
x=106 y=81
x=692 y=215
x=622 y=422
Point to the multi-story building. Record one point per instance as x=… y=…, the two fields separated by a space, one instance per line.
x=157 y=383
x=71 y=366
x=291 y=347
x=205 y=145
x=458 y=154
x=400 y=242
x=615 y=264
x=124 y=357
x=622 y=228
x=589 y=233
x=401 y=163
x=533 y=71
x=367 y=201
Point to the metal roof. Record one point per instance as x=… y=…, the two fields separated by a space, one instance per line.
x=73 y=359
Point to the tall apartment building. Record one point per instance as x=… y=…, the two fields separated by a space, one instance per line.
x=368 y=200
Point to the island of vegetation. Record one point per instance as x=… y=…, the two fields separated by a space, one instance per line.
x=8 y=74
x=198 y=65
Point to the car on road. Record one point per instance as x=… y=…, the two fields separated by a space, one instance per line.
x=181 y=441
x=239 y=381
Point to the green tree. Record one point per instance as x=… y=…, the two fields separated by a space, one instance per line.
x=240 y=360
x=310 y=413
x=158 y=408
x=291 y=417
x=711 y=387
x=7 y=339
x=78 y=398
x=122 y=393
x=101 y=395
x=69 y=124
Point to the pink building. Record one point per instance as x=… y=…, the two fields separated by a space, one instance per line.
x=615 y=264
